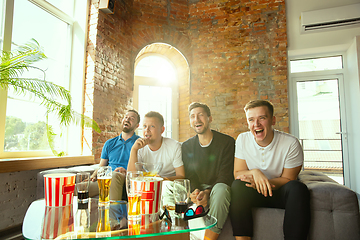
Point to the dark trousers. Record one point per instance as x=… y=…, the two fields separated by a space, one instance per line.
x=294 y=197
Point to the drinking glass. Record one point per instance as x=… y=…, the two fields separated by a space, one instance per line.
x=104 y=175
x=181 y=194
x=134 y=186
x=82 y=186
x=149 y=169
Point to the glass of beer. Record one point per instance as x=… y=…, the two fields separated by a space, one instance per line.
x=104 y=175
x=103 y=227
x=134 y=186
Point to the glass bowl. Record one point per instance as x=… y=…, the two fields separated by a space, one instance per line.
x=149 y=169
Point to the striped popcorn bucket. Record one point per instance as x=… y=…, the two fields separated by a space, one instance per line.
x=57 y=221
x=151 y=195
x=59 y=189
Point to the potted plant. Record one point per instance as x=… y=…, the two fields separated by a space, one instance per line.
x=55 y=98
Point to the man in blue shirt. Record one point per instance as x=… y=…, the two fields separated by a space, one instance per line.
x=116 y=153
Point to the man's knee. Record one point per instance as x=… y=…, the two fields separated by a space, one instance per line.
x=118 y=178
x=219 y=205
x=220 y=192
x=117 y=185
x=297 y=189
x=238 y=184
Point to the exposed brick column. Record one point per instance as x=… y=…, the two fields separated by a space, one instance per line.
x=90 y=74
x=109 y=73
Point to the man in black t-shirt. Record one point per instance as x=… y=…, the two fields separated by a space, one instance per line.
x=209 y=164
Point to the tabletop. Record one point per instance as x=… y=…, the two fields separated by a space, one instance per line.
x=107 y=221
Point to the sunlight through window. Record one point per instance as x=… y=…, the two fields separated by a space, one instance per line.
x=316 y=64
x=155 y=92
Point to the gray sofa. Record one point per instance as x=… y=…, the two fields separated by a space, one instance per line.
x=334 y=213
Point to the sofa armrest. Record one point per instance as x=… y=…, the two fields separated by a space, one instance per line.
x=334 y=207
x=327 y=194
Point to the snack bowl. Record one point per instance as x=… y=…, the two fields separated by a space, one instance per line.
x=149 y=169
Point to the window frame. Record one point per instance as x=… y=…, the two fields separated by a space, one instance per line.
x=78 y=27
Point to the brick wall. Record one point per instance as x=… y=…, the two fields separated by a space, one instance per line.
x=239 y=50
x=236 y=51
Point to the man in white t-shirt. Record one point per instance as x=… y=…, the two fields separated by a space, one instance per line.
x=154 y=148
x=267 y=163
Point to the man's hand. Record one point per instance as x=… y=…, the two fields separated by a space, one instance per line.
x=200 y=197
x=203 y=197
x=140 y=143
x=120 y=170
x=249 y=179
x=194 y=195
x=261 y=183
x=258 y=181
x=93 y=176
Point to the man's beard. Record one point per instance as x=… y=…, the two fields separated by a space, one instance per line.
x=201 y=131
x=127 y=129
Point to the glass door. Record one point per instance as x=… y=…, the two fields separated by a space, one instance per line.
x=321 y=130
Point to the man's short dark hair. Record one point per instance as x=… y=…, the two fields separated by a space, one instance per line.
x=202 y=105
x=157 y=115
x=137 y=114
x=260 y=103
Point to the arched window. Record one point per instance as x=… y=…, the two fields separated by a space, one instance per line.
x=156 y=89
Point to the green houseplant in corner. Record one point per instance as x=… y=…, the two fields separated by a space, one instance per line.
x=56 y=99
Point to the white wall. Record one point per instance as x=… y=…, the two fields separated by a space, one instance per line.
x=339 y=41
x=352 y=88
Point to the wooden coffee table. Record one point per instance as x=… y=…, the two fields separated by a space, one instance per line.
x=42 y=222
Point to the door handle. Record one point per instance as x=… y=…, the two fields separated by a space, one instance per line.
x=340 y=133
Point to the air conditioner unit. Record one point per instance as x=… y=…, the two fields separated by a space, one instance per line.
x=326 y=19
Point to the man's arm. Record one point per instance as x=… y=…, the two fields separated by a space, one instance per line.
x=180 y=173
x=103 y=162
x=288 y=175
x=257 y=180
x=254 y=177
x=139 y=143
x=227 y=163
x=190 y=164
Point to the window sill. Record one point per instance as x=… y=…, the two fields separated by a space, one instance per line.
x=25 y=164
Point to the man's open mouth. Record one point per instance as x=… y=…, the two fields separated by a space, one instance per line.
x=258 y=131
